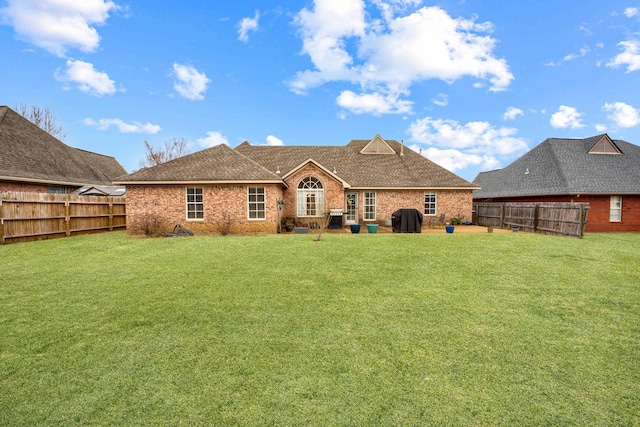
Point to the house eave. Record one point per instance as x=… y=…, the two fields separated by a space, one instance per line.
x=344 y=183
x=200 y=182
x=47 y=181
x=428 y=187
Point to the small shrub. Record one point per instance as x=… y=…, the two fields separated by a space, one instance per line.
x=225 y=224
x=151 y=224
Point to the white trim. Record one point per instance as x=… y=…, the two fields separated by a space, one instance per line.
x=365 y=205
x=435 y=203
x=195 y=202
x=613 y=209
x=344 y=183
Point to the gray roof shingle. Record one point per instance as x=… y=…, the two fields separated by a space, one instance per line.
x=559 y=166
x=260 y=163
x=29 y=153
x=217 y=164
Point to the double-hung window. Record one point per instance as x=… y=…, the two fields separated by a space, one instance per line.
x=310 y=197
x=429 y=202
x=615 y=209
x=256 y=203
x=369 y=205
x=195 y=203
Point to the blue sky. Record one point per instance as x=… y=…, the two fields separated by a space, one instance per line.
x=471 y=84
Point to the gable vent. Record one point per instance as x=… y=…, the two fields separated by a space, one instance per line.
x=605 y=146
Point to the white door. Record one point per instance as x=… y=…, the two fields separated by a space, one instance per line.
x=351 y=208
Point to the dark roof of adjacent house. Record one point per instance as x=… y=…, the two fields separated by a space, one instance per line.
x=29 y=154
x=559 y=166
x=218 y=164
x=101 y=190
x=359 y=164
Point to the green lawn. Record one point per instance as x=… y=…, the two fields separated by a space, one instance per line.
x=381 y=329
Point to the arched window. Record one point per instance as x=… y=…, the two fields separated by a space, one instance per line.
x=310 y=197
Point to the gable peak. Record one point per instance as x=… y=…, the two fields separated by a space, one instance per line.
x=605 y=146
x=377 y=146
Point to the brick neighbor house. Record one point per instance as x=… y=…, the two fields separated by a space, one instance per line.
x=598 y=170
x=367 y=179
x=31 y=160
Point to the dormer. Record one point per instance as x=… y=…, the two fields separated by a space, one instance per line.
x=377 y=146
x=605 y=146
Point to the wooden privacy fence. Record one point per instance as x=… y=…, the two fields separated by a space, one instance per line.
x=566 y=219
x=35 y=216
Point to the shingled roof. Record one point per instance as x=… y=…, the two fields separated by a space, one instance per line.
x=403 y=169
x=219 y=164
x=560 y=166
x=29 y=154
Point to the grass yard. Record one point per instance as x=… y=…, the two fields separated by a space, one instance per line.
x=380 y=329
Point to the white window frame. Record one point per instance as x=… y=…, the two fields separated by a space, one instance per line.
x=194 y=198
x=431 y=206
x=369 y=206
x=310 y=188
x=615 y=209
x=256 y=204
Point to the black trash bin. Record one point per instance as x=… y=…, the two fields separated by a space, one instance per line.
x=406 y=220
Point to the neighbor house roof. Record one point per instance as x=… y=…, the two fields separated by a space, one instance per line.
x=398 y=167
x=219 y=164
x=558 y=166
x=29 y=154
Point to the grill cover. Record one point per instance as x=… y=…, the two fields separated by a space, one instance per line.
x=406 y=221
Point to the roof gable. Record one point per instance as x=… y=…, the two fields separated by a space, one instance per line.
x=377 y=146
x=319 y=166
x=605 y=146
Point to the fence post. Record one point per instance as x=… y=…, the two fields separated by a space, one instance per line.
x=1 y=224
x=581 y=221
x=67 y=216
x=110 y=215
x=535 y=217
x=502 y=215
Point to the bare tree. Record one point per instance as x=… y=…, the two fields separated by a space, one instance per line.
x=43 y=118
x=155 y=155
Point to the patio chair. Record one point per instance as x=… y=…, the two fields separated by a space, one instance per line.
x=437 y=222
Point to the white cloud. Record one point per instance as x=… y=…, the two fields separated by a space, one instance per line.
x=512 y=113
x=630 y=57
x=623 y=115
x=123 y=127
x=392 y=55
x=212 y=139
x=373 y=103
x=566 y=117
x=583 y=52
x=631 y=12
x=455 y=146
x=600 y=127
x=246 y=25
x=58 y=25
x=274 y=141
x=190 y=83
x=441 y=100
x=86 y=77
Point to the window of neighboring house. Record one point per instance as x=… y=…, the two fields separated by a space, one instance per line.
x=256 y=200
x=310 y=197
x=56 y=190
x=369 y=205
x=615 y=209
x=195 y=203
x=429 y=202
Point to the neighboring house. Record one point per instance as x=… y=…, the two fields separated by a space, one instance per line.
x=32 y=160
x=367 y=179
x=598 y=170
x=101 y=190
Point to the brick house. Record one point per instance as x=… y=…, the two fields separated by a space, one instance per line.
x=34 y=161
x=254 y=187
x=598 y=170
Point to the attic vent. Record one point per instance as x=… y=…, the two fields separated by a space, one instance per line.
x=377 y=146
x=605 y=146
